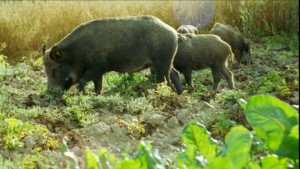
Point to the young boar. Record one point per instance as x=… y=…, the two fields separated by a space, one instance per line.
x=196 y=52
x=187 y=29
x=235 y=39
x=125 y=44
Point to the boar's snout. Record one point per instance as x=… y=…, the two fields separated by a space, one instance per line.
x=246 y=58
x=63 y=86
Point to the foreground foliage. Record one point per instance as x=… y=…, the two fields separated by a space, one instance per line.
x=276 y=130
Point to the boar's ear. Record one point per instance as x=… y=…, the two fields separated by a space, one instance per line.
x=55 y=54
x=180 y=37
x=44 y=48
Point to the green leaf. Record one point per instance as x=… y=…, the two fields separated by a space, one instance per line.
x=72 y=162
x=91 y=160
x=242 y=103
x=107 y=159
x=253 y=165
x=290 y=144
x=64 y=147
x=273 y=162
x=128 y=164
x=189 y=159
x=272 y=121
x=236 y=152
x=148 y=158
x=196 y=134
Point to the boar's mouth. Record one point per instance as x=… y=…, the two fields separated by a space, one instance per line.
x=68 y=84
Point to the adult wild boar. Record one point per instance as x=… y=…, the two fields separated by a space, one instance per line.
x=196 y=52
x=187 y=29
x=235 y=39
x=124 y=44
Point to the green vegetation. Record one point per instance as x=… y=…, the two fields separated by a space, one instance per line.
x=276 y=128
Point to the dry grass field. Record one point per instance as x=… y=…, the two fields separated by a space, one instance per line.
x=26 y=25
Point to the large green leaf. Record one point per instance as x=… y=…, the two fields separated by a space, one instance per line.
x=91 y=160
x=236 y=152
x=196 y=134
x=189 y=159
x=273 y=162
x=72 y=162
x=106 y=158
x=148 y=159
x=64 y=147
x=71 y=159
x=290 y=144
x=273 y=121
x=128 y=164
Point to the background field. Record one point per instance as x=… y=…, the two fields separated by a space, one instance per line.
x=26 y=25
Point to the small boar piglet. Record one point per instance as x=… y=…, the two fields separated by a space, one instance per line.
x=196 y=52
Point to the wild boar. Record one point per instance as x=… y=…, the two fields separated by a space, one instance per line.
x=235 y=39
x=196 y=52
x=123 y=44
x=187 y=29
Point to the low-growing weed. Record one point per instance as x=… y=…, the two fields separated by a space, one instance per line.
x=275 y=83
x=222 y=125
x=129 y=84
x=79 y=110
x=14 y=130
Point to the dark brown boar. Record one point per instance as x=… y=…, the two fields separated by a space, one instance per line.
x=125 y=44
x=235 y=39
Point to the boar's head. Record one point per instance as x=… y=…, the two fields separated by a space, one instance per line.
x=246 y=56
x=59 y=72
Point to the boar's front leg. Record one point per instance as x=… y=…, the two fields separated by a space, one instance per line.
x=98 y=85
x=92 y=74
x=188 y=76
x=175 y=78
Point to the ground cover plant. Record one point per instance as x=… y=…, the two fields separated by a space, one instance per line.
x=140 y=124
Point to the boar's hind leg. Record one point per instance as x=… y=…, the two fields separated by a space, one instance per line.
x=175 y=78
x=162 y=72
x=217 y=77
x=229 y=76
x=188 y=77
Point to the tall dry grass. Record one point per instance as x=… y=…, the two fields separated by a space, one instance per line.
x=264 y=17
x=26 y=25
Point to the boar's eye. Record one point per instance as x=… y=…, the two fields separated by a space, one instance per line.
x=67 y=79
